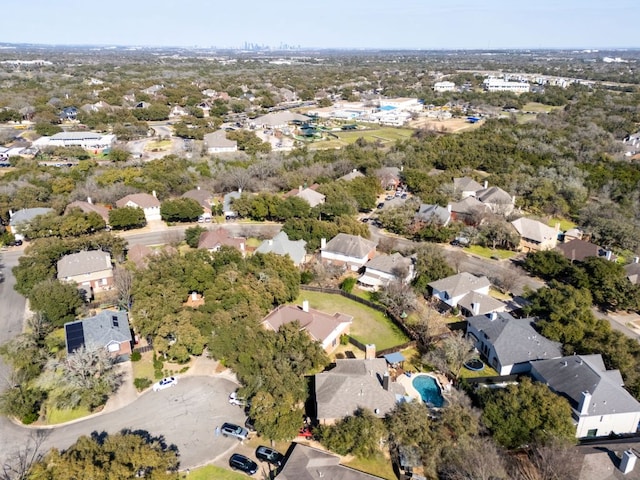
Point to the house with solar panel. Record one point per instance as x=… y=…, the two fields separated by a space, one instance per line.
x=108 y=329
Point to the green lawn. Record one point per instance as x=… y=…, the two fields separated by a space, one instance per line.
x=487 y=371
x=369 y=325
x=564 y=224
x=538 y=107
x=211 y=472
x=56 y=415
x=379 y=466
x=487 y=252
x=386 y=135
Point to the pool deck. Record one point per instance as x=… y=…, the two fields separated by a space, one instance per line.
x=407 y=382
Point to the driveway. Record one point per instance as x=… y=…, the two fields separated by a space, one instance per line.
x=185 y=415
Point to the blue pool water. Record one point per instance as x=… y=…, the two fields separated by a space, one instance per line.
x=429 y=390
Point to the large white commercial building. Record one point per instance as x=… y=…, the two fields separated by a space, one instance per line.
x=444 y=87
x=501 y=85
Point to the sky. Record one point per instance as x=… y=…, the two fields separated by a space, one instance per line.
x=349 y=24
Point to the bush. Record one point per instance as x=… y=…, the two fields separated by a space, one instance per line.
x=142 y=383
x=348 y=284
x=344 y=340
x=136 y=356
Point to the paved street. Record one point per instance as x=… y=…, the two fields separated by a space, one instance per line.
x=185 y=415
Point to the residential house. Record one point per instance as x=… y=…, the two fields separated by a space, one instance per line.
x=508 y=344
x=308 y=463
x=572 y=233
x=601 y=405
x=178 y=111
x=213 y=240
x=496 y=200
x=204 y=198
x=308 y=194
x=323 y=328
x=217 y=142
x=149 y=204
x=384 y=269
x=633 y=271
x=153 y=89
x=91 y=270
x=108 y=329
x=389 y=177
x=466 y=187
x=140 y=254
x=142 y=105
x=577 y=250
x=468 y=210
x=351 y=175
x=89 y=207
x=354 y=384
x=352 y=251
x=281 y=245
x=476 y=303
x=433 y=214
x=451 y=290
x=68 y=114
x=19 y=221
x=535 y=236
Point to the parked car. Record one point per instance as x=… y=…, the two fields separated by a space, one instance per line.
x=236 y=431
x=380 y=205
x=266 y=454
x=234 y=399
x=165 y=383
x=242 y=463
x=250 y=424
x=305 y=432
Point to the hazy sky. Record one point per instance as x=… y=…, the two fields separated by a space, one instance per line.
x=426 y=24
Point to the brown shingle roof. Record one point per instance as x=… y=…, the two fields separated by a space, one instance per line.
x=142 y=200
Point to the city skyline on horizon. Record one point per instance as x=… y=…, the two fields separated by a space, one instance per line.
x=358 y=25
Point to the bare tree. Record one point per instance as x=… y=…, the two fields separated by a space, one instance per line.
x=398 y=297
x=173 y=237
x=457 y=258
x=123 y=280
x=473 y=458
x=507 y=279
x=556 y=460
x=450 y=354
x=20 y=461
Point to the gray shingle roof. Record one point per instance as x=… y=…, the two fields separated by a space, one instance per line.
x=570 y=376
x=534 y=230
x=484 y=303
x=459 y=284
x=275 y=119
x=203 y=197
x=466 y=184
x=308 y=463
x=27 y=214
x=515 y=340
x=106 y=327
x=83 y=263
x=350 y=245
x=353 y=384
x=281 y=245
x=429 y=213
x=578 y=250
x=389 y=263
x=467 y=206
x=494 y=195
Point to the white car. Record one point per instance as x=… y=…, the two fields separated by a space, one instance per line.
x=165 y=383
x=234 y=399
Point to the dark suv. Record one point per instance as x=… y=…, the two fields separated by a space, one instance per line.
x=242 y=463
x=266 y=454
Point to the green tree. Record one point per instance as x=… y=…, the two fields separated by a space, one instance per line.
x=192 y=235
x=126 y=218
x=431 y=265
x=523 y=413
x=180 y=210
x=119 y=155
x=58 y=301
x=47 y=129
x=103 y=457
x=358 y=434
x=548 y=264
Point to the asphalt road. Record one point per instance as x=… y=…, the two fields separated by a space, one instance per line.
x=185 y=415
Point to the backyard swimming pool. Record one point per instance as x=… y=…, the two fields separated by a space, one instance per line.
x=429 y=390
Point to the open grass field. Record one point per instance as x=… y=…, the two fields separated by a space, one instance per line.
x=487 y=252
x=538 y=107
x=386 y=135
x=158 y=145
x=445 y=125
x=564 y=223
x=369 y=325
x=57 y=415
x=211 y=472
x=379 y=466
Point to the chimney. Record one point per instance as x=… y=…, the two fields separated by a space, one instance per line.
x=557 y=226
x=89 y=200
x=609 y=253
x=305 y=306
x=386 y=381
x=154 y=194
x=300 y=189
x=513 y=199
x=370 y=351
x=486 y=184
x=198 y=187
x=323 y=243
x=493 y=315
x=628 y=461
x=636 y=259
x=10 y=213
x=584 y=403
x=475 y=308
x=194 y=296
x=449 y=208
x=240 y=190
x=242 y=247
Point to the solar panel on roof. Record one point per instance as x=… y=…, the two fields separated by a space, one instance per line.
x=75 y=336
